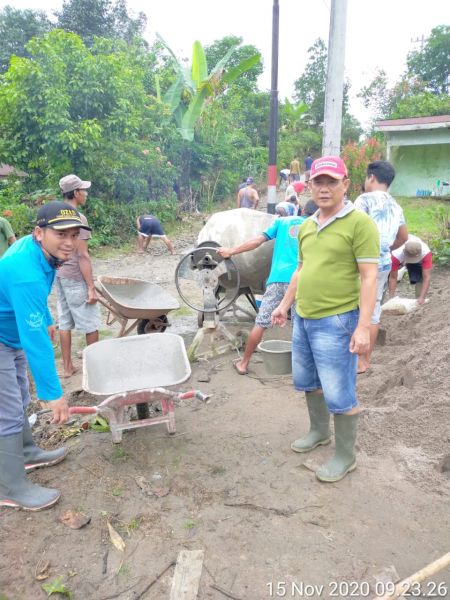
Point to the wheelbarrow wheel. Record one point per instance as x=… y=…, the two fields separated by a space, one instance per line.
x=158 y=325
x=143 y=411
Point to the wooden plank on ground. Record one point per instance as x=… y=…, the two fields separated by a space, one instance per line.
x=186 y=578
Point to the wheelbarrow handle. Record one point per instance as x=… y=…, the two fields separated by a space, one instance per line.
x=83 y=410
x=193 y=394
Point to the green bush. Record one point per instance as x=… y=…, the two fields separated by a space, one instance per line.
x=112 y=222
x=16 y=207
x=440 y=246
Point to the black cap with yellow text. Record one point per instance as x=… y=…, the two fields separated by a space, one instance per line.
x=59 y=215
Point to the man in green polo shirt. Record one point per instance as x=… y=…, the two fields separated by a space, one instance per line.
x=335 y=291
x=7 y=236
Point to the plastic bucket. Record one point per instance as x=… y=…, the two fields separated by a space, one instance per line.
x=277 y=356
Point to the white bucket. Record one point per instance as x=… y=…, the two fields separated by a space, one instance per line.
x=277 y=356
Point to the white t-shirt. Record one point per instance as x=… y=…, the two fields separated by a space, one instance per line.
x=388 y=216
x=399 y=253
x=290 y=191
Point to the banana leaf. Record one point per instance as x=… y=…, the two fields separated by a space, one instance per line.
x=243 y=66
x=173 y=95
x=191 y=116
x=199 y=65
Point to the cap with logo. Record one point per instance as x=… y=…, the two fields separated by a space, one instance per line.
x=329 y=165
x=59 y=215
x=69 y=183
x=413 y=252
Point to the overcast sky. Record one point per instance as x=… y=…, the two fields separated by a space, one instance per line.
x=379 y=33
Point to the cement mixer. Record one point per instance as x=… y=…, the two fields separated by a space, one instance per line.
x=207 y=282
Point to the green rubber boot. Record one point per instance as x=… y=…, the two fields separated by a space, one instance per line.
x=16 y=490
x=33 y=456
x=319 y=429
x=344 y=460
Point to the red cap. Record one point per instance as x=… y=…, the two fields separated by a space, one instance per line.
x=299 y=186
x=329 y=165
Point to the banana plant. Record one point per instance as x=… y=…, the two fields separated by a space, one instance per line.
x=187 y=96
x=294 y=113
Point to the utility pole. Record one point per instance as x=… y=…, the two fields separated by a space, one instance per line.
x=331 y=143
x=420 y=41
x=273 y=128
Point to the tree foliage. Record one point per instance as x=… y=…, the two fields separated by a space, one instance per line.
x=100 y=18
x=310 y=89
x=74 y=109
x=17 y=27
x=248 y=79
x=310 y=86
x=424 y=104
x=431 y=64
x=422 y=91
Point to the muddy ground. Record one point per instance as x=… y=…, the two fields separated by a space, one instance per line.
x=229 y=484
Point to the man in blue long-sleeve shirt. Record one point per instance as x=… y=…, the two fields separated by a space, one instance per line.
x=27 y=272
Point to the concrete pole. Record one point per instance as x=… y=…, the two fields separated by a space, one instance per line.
x=331 y=143
x=273 y=126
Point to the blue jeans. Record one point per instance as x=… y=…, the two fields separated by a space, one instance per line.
x=14 y=390
x=321 y=358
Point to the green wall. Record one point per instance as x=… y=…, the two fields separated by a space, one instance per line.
x=420 y=167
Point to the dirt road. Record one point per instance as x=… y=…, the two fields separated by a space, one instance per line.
x=228 y=483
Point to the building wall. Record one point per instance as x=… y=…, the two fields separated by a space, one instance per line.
x=419 y=137
x=420 y=167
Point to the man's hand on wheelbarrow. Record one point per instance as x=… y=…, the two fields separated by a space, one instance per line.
x=60 y=410
x=92 y=296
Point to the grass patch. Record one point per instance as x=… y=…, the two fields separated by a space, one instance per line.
x=118 y=454
x=176 y=461
x=189 y=524
x=423 y=216
x=218 y=470
x=183 y=311
x=124 y=571
x=104 y=252
x=117 y=490
x=133 y=525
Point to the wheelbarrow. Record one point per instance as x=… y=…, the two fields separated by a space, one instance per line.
x=133 y=371
x=147 y=304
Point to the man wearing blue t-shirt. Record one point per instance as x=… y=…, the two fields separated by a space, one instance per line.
x=308 y=162
x=27 y=272
x=284 y=231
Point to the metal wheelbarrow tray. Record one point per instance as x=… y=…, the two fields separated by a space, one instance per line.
x=127 y=298
x=132 y=371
